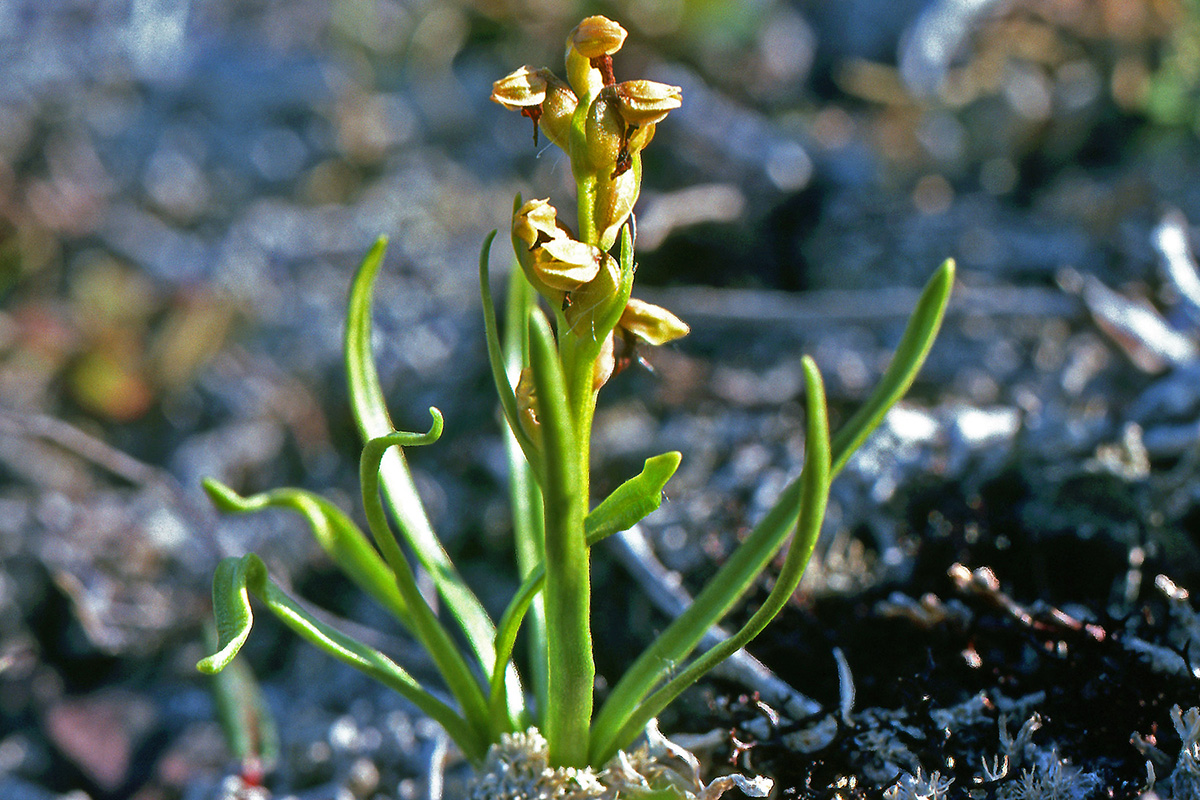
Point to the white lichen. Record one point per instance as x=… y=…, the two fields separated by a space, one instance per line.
x=1185 y=778
x=1050 y=779
x=518 y=768
x=919 y=787
x=1182 y=656
x=1018 y=748
x=1046 y=775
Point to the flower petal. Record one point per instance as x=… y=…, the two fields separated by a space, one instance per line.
x=652 y=324
x=642 y=102
x=521 y=88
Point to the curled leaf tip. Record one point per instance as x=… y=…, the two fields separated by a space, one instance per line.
x=223 y=497
x=435 y=427
x=213 y=664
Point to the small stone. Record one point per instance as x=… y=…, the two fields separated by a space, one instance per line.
x=363 y=778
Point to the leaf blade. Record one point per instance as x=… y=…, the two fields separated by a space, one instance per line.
x=371 y=416
x=239 y=577
x=334 y=531
x=633 y=500
x=814 y=495
x=682 y=636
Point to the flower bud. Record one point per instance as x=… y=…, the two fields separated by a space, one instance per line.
x=552 y=260
x=536 y=221
x=606 y=363
x=615 y=198
x=645 y=102
x=611 y=162
x=566 y=264
x=650 y=323
x=540 y=95
x=605 y=134
x=589 y=50
x=557 y=110
x=597 y=36
x=527 y=413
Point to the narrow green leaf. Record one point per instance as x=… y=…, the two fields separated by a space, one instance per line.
x=231 y=611
x=237 y=578
x=737 y=574
x=370 y=412
x=815 y=479
x=919 y=335
x=508 y=399
x=249 y=726
x=567 y=595
x=628 y=268
x=526 y=499
x=333 y=530
x=429 y=631
x=633 y=500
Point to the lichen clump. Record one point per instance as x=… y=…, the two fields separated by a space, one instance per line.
x=518 y=768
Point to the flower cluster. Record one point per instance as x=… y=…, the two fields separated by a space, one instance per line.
x=603 y=126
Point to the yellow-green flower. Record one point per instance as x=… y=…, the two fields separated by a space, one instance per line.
x=540 y=95
x=520 y=89
x=553 y=261
x=597 y=36
x=589 y=54
x=650 y=323
x=644 y=102
x=566 y=264
x=593 y=301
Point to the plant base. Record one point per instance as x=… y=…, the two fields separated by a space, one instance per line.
x=518 y=769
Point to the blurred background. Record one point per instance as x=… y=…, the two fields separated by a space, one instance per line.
x=187 y=185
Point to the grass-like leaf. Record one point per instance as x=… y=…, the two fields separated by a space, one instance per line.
x=237 y=578
x=333 y=530
x=526 y=498
x=919 y=335
x=497 y=361
x=249 y=726
x=370 y=412
x=815 y=479
x=736 y=575
x=429 y=631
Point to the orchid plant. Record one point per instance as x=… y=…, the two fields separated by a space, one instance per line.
x=571 y=324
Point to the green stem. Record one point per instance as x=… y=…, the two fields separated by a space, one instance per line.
x=570 y=666
x=582 y=168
